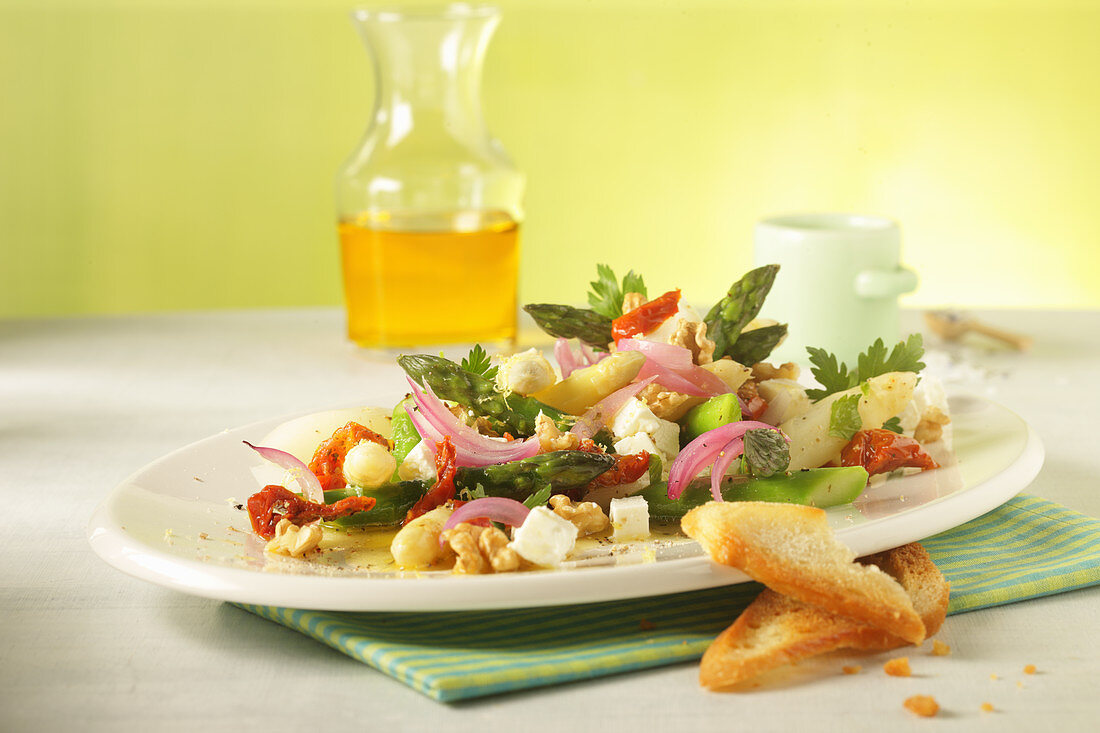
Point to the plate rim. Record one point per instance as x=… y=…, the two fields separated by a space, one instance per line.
x=133 y=557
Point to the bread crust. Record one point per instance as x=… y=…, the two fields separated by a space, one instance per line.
x=775 y=630
x=791 y=549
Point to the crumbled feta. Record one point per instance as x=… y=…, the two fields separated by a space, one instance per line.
x=418 y=464
x=544 y=538
x=525 y=373
x=636 y=419
x=636 y=443
x=629 y=518
x=928 y=393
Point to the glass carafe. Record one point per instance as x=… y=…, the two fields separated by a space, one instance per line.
x=429 y=203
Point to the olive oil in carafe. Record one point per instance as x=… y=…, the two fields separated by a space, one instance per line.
x=430 y=278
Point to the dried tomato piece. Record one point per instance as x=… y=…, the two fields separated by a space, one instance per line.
x=272 y=503
x=883 y=451
x=753 y=405
x=327 y=463
x=443 y=490
x=646 y=317
x=628 y=467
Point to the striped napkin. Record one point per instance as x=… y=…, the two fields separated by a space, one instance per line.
x=1028 y=548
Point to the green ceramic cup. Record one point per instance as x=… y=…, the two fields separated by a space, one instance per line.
x=839 y=281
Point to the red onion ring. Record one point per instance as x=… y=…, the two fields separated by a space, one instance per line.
x=604 y=411
x=567 y=362
x=433 y=421
x=703 y=451
x=311 y=486
x=730 y=452
x=675 y=369
x=496 y=508
x=591 y=357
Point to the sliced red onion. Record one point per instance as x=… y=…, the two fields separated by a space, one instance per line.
x=311 y=486
x=730 y=452
x=591 y=357
x=496 y=508
x=668 y=355
x=703 y=451
x=567 y=362
x=604 y=411
x=675 y=369
x=433 y=421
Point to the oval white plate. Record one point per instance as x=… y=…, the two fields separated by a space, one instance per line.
x=173 y=523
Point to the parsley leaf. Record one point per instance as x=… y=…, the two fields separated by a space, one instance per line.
x=606 y=296
x=905 y=357
x=477 y=362
x=766 y=452
x=893 y=425
x=539 y=498
x=832 y=375
x=876 y=361
x=844 y=419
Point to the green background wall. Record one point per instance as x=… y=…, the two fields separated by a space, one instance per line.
x=179 y=155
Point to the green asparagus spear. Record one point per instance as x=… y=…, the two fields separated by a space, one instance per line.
x=568 y=322
x=559 y=470
x=511 y=413
x=403 y=432
x=755 y=345
x=392 y=502
x=562 y=470
x=820 y=487
x=739 y=306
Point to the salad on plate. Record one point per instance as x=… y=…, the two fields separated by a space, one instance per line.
x=647 y=409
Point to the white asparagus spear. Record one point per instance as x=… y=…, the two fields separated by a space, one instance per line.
x=812 y=446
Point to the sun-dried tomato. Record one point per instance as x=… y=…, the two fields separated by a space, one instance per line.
x=628 y=467
x=646 y=317
x=327 y=463
x=272 y=503
x=443 y=490
x=752 y=404
x=883 y=451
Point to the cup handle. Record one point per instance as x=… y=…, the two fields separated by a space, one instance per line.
x=885 y=283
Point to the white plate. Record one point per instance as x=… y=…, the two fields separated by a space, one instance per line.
x=173 y=523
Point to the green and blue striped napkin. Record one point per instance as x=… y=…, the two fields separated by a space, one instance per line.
x=1025 y=549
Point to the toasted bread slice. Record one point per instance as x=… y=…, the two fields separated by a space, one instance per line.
x=791 y=549
x=775 y=630
x=930 y=592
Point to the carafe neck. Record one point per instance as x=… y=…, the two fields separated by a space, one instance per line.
x=427 y=70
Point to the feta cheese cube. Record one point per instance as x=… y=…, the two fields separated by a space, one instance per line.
x=418 y=464
x=544 y=538
x=635 y=419
x=629 y=518
x=637 y=443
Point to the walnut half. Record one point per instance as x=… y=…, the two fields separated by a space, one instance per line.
x=587 y=516
x=481 y=550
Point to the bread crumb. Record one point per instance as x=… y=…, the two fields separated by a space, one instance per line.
x=987 y=707
x=1029 y=669
x=923 y=705
x=898 y=667
x=852 y=669
x=994 y=677
x=939 y=649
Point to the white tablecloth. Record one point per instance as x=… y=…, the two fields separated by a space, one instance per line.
x=85 y=402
